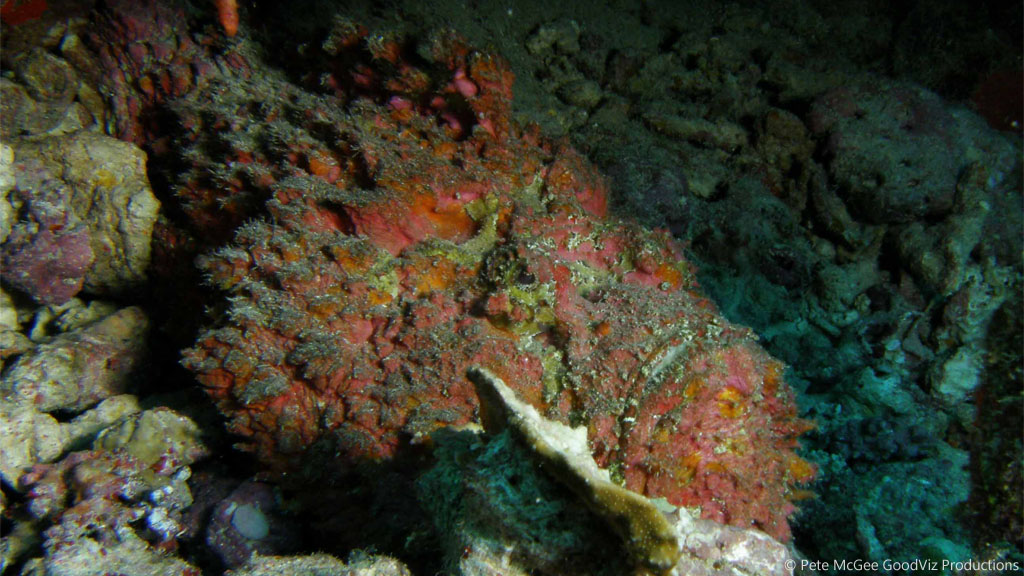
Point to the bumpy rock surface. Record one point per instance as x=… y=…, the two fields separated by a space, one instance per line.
x=904 y=174
x=7 y=182
x=110 y=194
x=84 y=372
x=321 y=565
x=78 y=369
x=409 y=230
x=40 y=97
x=32 y=437
x=115 y=508
x=714 y=550
x=46 y=252
x=129 y=555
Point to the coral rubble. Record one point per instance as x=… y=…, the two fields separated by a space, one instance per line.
x=321 y=565
x=118 y=507
x=84 y=372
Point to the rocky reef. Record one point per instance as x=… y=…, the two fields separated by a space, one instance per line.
x=267 y=268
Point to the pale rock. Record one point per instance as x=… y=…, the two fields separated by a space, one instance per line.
x=29 y=437
x=111 y=194
x=128 y=554
x=78 y=369
x=320 y=565
x=8 y=313
x=151 y=434
x=954 y=380
x=6 y=183
x=883 y=391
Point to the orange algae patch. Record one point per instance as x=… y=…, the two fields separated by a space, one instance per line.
x=450 y=222
x=292 y=252
x=687 y=468
x=328 y=305
x=534 y=396
x=693 y=388
x=730 y=402
x=800 y=471
x=438 y=274
x=378 y=298
x=801 y=494
x=772 y=377
x=716 y=468
x=146 y=85
x=669 y=273
x=350 y=261
x=445 y=149
x=324 y=167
